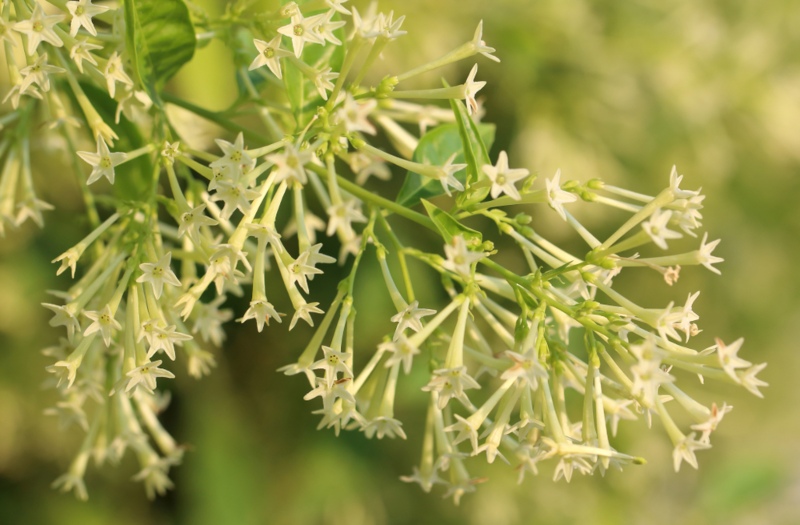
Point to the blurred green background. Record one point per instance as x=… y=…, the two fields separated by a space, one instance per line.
x=618 y=90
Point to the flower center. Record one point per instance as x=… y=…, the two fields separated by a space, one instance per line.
x=299 y=30
x=105 y=162
x=38 y=26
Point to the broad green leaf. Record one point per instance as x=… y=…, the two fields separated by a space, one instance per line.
x=132 y=179
x=160 y=39
x=448 y=226
x=435 y=147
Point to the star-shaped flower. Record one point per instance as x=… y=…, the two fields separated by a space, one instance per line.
x=446 y=174
x=480 y=46
x=38 y=28
x=145 y=376
x=333 y=363
x=704 y=257
x=557 y=197
x=301 y=31
x=656 y=228
x=304 y=312
x=103 y=322
x=192 y=220
x=82 y=12
x=471 y=88
x=410 y=317
x=684 y=451
x=158 y=273
x=503 y=178
x=262 y=311
x=269 y=54
x=82 y=50
x=460 y=258
x=38 y=73
x=103 y=161
x=115 y=72
x=403 y=351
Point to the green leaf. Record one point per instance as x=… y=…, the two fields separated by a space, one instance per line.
x=449 y=227
x=160 y=38
x=475 y=155
x=435 y=147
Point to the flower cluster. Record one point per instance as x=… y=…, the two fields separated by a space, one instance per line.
x=158 y=264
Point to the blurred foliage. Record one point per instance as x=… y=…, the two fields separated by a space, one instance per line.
x=618 y=90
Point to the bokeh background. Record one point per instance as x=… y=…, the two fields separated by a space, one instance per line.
x=601 y=88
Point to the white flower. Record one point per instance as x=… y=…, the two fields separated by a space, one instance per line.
x=710 y=425
x=749 y=380
x=403 y=351
x=446 y=174
x=82 y=12
x=262 y=311
x=165 y=339
x=383 y=426
x=192 y=220
x=466 y=430
x=410 y=317
x=102 y=162
x=337 y=5
x=460 y=258
x=74 y=482
x=145 y=376
x=451 y=383
x=304 y=312
x=38 y=73
x=557 y=197
x=39 y=28
x=300 y=271
x=390 y=29
x=114 y=72
x=301 y=31
x=289 y=164
x=235 y=196
x=326 y=26
x=103 y=322
x=82 y=50
x=684 y=451
x=209 y=320
x=728 y=358
x=471 y=88
x=656 y=228
x=502 y=178
x=526 y=370
x=66 y=315
x=704 y=257
x=322 y=81
x=158 y=273
x=480 y=46
x=333 y=363
x=69 y=259
x=343 y=215
x=269 y=54
x=235 y=157
x=353 y=114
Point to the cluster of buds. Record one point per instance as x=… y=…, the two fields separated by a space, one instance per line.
x=159 y=263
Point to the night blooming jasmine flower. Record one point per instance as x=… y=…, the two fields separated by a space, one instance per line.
x=38 y=73
x=199 y=221
x=704 y=256
x=115 y=72
x=145 y=376
x=301 y=31
x=158 y=273
x=262 y=311
x=503 y=178
x=269 y=54
x=460 y=258
x=557 y=197
x=410 y=317
x=82 y=50
x=82 y=12
x=102 y=322
x=471 y=88
x=38 y=28
x=657 y=229
x=102 y=162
